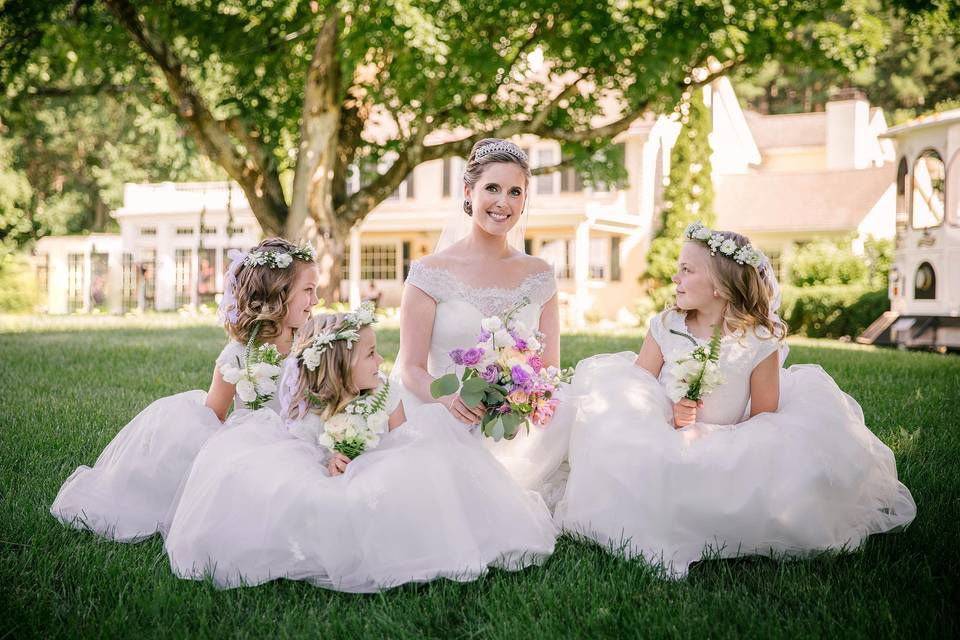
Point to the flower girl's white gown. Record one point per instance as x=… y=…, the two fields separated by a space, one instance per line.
x=127 y=493
x=531 y=458
x=807 y=478
x=427 y=502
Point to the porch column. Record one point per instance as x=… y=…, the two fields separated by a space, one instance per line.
x=581 y=271
x=354 y=268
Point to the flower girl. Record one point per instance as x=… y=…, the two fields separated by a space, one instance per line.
x=702 y=446
x=268 y=294
x=349 y=493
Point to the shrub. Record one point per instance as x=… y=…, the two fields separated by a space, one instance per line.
x=18 y=288
x=832 y=311
x=823 y=262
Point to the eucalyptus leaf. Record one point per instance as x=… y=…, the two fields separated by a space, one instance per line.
x=444 y=385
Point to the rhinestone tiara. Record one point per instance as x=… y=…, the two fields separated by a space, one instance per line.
x=504 y=146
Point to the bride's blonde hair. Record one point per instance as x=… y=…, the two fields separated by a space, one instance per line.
x=746 y=291
x=328 y=388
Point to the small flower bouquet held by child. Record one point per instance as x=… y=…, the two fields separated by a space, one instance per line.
x=697 y=372
x=359 y=426
x=256 y=375
x=504 y=371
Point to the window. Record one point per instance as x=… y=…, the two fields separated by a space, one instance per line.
x=207 y=276
x=901 y=213
x=776 y=262
x=544 y=182
x=528 y=246
x=74 y=282
x=447 y=176
x=559 y=253
x=571 y=181
x=148 y=271
x=406 y=259
x=925 y=283
x=148 y=231
x=234 y=231
x=184 y=231
x=377 y=262
x=128 y=287
x=615 y=258
x=43 y=276
x=599 y=258
x=208 y=231
x=184 y=262
x=929 y=182
x=99 y=278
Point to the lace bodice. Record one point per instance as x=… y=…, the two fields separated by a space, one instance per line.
x=739 y=354
x=461 y=307
x=233 y=354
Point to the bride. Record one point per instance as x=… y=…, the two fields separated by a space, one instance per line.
x=479 y=269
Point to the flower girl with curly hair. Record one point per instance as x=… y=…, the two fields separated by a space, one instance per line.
x=345 y=490
x=703 y=446
x=268 y=294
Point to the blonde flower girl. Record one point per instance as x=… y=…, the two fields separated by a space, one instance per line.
x=702 y=446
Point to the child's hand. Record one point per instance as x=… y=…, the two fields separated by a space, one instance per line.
x=685 y=412
x=338 y=464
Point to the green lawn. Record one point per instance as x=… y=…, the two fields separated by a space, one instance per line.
x=67 y=388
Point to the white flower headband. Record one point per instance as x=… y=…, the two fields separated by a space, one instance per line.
x=726 y=246
x=279 y=259
x=505 y=146
x=349 y=331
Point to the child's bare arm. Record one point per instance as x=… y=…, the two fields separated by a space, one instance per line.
x=765 y=385
x=397 y=418
x=650 y=356
x=220 y=395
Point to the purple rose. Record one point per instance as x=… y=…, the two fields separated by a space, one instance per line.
x=519 y=343
x=504 y=408
x=519 y=375
x=472 y=356
x=485 y=336
x=491 y=374
x=457 y=356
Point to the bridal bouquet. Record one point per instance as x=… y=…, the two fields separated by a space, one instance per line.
x=359 y=426
x=255 y=374
x=505 y=372
x=697 y=372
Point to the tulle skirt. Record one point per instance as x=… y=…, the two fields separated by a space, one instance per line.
x=127 y=494
x=809 y=478
x=428 y=502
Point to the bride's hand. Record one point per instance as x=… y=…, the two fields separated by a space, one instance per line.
x=685 y=413
x=463 y=413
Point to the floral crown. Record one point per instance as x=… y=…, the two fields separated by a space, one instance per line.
x=279 y=259
x=505 y=146
x=727 y=247
x=349 y=331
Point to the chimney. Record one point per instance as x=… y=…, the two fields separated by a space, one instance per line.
x=848 y=130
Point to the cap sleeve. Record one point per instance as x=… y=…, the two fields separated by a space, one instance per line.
x=542 y=287
x=763 y=344
x=657 y=328
x=427 y=279
x=231 y=354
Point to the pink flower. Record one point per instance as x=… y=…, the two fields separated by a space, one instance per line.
x=535 y=363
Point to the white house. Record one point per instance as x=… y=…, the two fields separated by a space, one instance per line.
x=779 y=179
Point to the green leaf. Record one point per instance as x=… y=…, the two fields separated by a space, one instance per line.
x=511 y=425
x=496 y=430
x=493 y=397
x=444 y=385
x=473 y=391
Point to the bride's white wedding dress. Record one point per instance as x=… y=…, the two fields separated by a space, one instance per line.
x=533 y=459
x=809 y=477
x=127 y=494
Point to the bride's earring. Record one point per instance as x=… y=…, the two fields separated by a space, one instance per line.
x=467 y=208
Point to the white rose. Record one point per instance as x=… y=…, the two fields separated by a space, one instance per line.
x=311 y=358
x=727 y=247
x=231 y=374
x=702 y=234
x=263 y=370
x=363 y=316
x=676 y=390
x=377 y=423
x=266 y=387
x=502 y=338
x=337 y=424
x=325 y=440
x=491 y=324
x=283 y=260
x=370 y=440
x=533 y=344
x=246 y=390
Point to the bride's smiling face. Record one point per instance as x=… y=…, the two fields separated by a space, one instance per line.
x=498 y=197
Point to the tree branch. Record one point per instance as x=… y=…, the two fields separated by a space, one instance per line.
x=252 y=170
